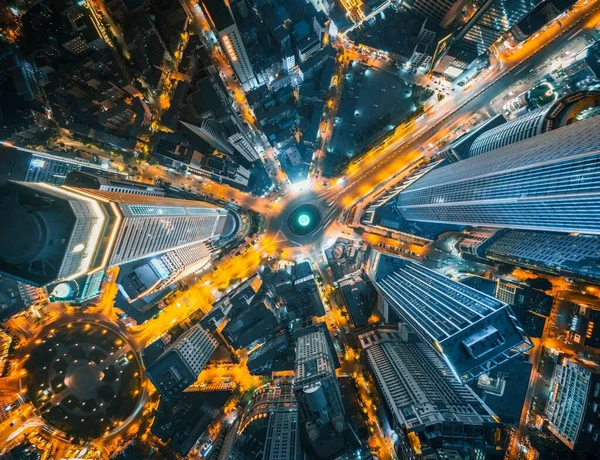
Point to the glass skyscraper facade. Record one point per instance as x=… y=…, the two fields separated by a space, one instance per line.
x=571 y=255
x=473 y=332
x=60 y=233
x=557 y=253
x=269 y=426
x=430 y=408
x=562 y=112
x=547 y=182
x=493 y=19
x=23 y=164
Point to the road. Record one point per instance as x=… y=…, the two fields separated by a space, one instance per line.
x=242 y=109
x=376 y=166
x=402 y=148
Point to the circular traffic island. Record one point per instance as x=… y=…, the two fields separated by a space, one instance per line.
x=84 y=379
x=304 y=219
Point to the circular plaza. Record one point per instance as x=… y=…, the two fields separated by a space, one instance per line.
x=84 y=379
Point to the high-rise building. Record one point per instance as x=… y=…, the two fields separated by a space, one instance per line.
x=471 y=240
x=243 y=146
x=272 y=356
x=431 y=410
x=235 y=301
x=16 y=296
x=573 y=408
x=459 y=149
x=472 y=332
x=491 y=20
x=63 y=233
x=210 y=132
x=252 y=324
x=269 y=426
x=323 y=5
x=200 y=157
x=221 y=19
x=22 y=164
x=531 y=306
x=441 y=12
x=559 y=113
x=520 y=296
x=547 y=182
x=180 y=364
x=110 y=183
x=320 y=405
x=583 y=326
x=576 y=256
x=239 y=140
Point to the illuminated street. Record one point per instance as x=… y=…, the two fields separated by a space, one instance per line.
x=184 y=293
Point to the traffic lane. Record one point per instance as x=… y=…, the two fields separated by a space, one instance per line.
x=493 y=88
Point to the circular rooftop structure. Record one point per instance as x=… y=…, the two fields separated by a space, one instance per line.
x=84 y=378
x=561 y=112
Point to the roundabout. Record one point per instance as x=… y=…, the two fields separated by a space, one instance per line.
x=84 y=379
x=304 y=219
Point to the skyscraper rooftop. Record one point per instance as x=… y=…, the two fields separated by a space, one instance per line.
x=473 y=332
x=430 y=407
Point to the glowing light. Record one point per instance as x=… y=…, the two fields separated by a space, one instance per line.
x=95 y=233
x=62 y=291
x=303 y=220
x=301 y=185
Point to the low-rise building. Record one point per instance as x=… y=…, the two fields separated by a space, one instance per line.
x=181 y=363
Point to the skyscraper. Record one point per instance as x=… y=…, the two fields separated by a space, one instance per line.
x=430 y=409
x=557 y=114
x=180 y=364
x=575 y=256
x=547 y=182
x=490 y=21
x=441 y=12
x=459 y=149
x=209 y=131
x=110 y=183
x=22 y=164
x=472 y=332
x=238 y=140
x=269 y=427
x=573 y=408
x=164 y=270
x=322 y=415
x=62 y=233
x=221 y=19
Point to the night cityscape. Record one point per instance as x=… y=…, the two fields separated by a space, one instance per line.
x=300 y=229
